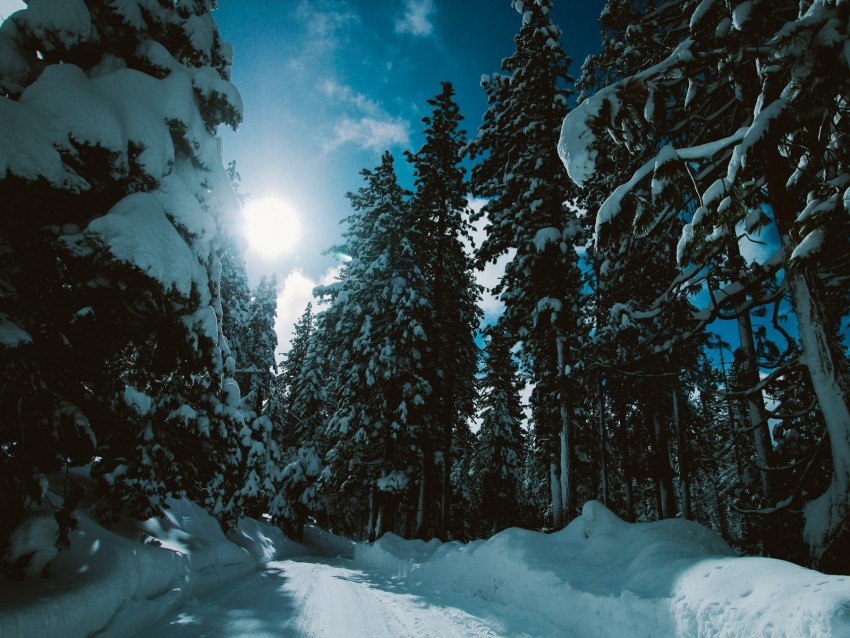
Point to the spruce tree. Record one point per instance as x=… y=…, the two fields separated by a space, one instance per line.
x=235 y=304
x=256 y=479
x=290 y=370
x=115 y=351
x=499 y=455
x=756 y=151
x=307 y=400
x=378 y=314
x=439 y=209
x=526 y=187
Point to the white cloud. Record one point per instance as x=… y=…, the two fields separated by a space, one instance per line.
x=293 y=296
x=324 y=27
x=369 y=127
x=348 y=96
x=369 y=133
x=416 y=18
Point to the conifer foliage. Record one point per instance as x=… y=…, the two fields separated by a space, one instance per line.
x=439 y=209
x=526 y=186
x=132 y=342
x=401 y=324
x=498 y=461
x=380 y=312
x=112 y=347
x=741 y=149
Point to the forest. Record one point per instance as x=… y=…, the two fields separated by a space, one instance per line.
x=676 y=223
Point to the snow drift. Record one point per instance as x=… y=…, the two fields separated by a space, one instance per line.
x=115 y=581
x=601 y=576
x=598 y=577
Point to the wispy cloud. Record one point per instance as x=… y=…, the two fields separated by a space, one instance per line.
x=368 y=126
x=324 y=26
x=416 y=18
x=348 y=96
x=370 y=133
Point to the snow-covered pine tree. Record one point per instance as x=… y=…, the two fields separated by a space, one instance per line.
x=439 y=208
x=235 y=306
x=769 y=156
x=535 y=480
x=632 y=264
x=260 y=363
x=498 y=460
x=255 y=481
x=378 y=312
x=526 y=185
x=290 y=369
x=307 y=410
x=464 y=520
x=234 y=289
x=110 y=266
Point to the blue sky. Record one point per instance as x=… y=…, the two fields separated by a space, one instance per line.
x=329 y=84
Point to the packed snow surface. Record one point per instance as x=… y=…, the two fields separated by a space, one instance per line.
x=179 y=575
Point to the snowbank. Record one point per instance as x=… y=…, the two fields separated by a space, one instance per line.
x=322 y=543
x=116 y=581
x=603 y=577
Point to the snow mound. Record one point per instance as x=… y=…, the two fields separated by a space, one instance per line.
x=263 y=542
x=113 y=582
x=601 y=576
x=397 y=556
x=323 y=543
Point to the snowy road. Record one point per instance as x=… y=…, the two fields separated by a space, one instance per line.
x=310 y=597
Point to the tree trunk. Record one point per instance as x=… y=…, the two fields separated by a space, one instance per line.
x=681 y=443
x=721 y=513
x=755 y=407
x=663 y=471
x=654 y=462
x=445 y=500
x=555 y=490
x=827 y=516
x=567 y=440
x=424 y=513
x=603 y=447
x=625 y=446
x=374 y=515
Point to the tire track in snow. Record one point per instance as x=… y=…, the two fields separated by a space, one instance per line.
x=312 y=598
x=334 y=600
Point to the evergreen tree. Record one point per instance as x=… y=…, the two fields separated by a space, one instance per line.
x=307 y=401
x=235 y=305
x=260 y=362
x=114 y=350
x=526 y=187
x=291 y=369
x=758 y=151
x=379 y=310
x=258 y=465
x=498 y=461
x=439 y=207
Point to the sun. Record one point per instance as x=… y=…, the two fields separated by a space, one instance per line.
x=272 y=226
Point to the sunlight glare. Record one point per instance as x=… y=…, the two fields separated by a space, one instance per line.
x=272 y=226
